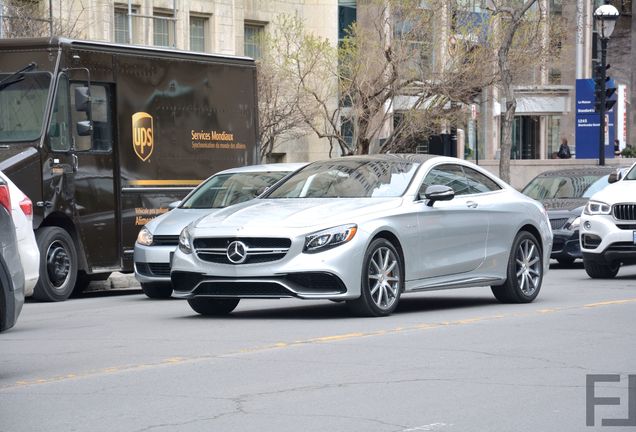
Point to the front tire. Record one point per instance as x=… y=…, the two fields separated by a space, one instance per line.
x=382 y=281
x=601 y=271
x=524 y=273
x=58 y=265
x=157 y=290
x=213 y=306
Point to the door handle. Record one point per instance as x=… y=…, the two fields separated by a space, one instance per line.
x=75 y=162
x=471 y=204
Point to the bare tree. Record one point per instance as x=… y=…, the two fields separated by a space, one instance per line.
x=33 y=19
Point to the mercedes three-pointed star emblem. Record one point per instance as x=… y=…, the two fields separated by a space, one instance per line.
x=236 y=252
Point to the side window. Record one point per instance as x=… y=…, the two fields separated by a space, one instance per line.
x=101 y=115
x=479 y=183
x=446 y=175
x=59 y=138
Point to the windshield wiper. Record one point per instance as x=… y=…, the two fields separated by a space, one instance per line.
x=17 y=76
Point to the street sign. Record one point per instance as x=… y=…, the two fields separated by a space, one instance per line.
x=588 y=123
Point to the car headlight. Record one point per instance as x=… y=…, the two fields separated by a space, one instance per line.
x=573 y=224
x=185 y=241
x=329 y=238
x=144 y=237
x=597 y=208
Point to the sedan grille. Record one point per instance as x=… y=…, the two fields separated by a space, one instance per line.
x=165 y=240
x=257 y=249
x=153 y=269
x=625 y=211
x=558 y=223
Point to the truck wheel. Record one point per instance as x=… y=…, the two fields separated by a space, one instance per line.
x=157 y=290
x=601 y=271
x=213 y=306
x=58 y=264
x=525 y=271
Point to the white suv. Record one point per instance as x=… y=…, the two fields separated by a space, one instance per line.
x=608 y=228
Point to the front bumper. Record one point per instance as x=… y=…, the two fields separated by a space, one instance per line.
x=566 y=245
x=152 y=263
x=334 y=274
x=606 y=242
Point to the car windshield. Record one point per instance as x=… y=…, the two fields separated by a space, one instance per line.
x=564 y=187
x=631 y=175
x=353 y=178
x=22 y=104
x=226 y=189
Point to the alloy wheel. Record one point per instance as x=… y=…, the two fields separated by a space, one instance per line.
x=528 y=266
x=384 y=277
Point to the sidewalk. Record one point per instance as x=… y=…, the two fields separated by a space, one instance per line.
x=114 y=282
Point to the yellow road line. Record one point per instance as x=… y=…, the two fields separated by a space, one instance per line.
x=323 y=339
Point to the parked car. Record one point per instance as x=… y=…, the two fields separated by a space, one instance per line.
x=564 y=194
x=158 y=239
x=608 y=233
x=22 y=213
x=11 y=273
x=365 y=229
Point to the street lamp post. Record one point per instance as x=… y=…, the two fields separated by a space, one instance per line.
x=606 y=16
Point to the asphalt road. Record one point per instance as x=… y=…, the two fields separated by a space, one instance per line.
x=445 y=361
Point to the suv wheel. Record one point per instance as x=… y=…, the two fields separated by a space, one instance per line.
x=597 y=270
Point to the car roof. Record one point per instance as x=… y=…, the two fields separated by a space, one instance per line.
x=577 y=172
x=395 y=157
x=273 y=167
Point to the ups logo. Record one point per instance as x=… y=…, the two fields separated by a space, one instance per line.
x=142 y=131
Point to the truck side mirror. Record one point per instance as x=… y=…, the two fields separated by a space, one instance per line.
x=84 y=128
x=82 y=99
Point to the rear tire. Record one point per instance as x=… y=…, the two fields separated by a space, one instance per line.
x=524 y=273
x=382 y=281
x=58 y=265
x=213 y=306
x=597 y=270
x=157 y=290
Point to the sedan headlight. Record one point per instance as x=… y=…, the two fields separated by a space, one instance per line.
x=185 y=241
x=329 y=238
x=573 y=223
x=597 y=208
x=144 y=237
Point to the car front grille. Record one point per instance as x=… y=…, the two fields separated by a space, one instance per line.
x=624 y=211
x=165 y=240
x=257 y=249
x=153 y=269
x=558 y=223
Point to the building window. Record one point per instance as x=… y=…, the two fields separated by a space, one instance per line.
x=198 y=26
x=121 y=26
x=253 y=42
x=163 y=29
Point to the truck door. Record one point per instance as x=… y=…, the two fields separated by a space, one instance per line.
x=95 y=199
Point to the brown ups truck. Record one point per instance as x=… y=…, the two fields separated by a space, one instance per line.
x=102 y=137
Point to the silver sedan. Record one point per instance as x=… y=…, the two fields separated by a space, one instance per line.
x=365 y=230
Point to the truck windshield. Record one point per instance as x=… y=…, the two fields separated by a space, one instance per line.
x=22 y=105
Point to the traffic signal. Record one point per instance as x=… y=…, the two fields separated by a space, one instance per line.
x=603 y=84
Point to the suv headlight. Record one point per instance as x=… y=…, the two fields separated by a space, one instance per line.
x=185 y=241
x=597 y=208
x=329 y=238
x=144 y=237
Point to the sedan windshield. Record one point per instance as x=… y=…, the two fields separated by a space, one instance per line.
x=226 y=189
x=353 y=178
x=562 y=187
x=22 y=104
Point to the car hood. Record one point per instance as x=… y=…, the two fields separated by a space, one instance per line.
x=565 y=204
x=621 y=191
x=172 y=222
x=268 y=214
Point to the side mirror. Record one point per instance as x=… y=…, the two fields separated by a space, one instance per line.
x=82 y=99
x=438 y=193
x=615 y=176
x=174 y=204
x=84 y=128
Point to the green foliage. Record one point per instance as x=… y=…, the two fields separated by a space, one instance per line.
x=629 y=152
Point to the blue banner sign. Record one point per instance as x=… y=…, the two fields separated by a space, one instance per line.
x=588 y=123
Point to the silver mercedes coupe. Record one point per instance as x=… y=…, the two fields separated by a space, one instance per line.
x=365 y=230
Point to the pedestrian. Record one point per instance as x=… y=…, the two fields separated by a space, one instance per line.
x=617 y=148
x=564 y=150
